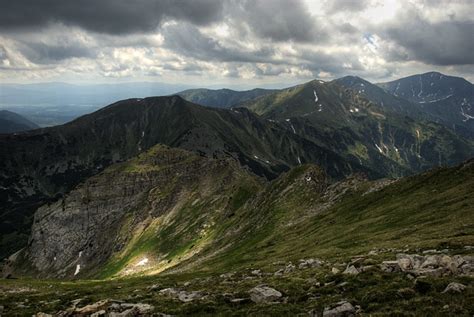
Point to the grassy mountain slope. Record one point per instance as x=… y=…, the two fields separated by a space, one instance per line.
x=173 y=207
x=449 y=99
x=11 y=122
x=222 y=98
x=297 y=216
x=372 y=132
x=40 y=166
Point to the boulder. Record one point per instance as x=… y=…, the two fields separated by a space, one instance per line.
x=340 y=309
x=454 y=287
x=186 y=297
x=169 y=291
x=264 y=294
x=226 y=275
x=390 y=266
x=289 y=268
x=92 y=308
x=405 y=262
x=279 y=272
x=40 y=314
x=335 y=270
x=351 y=269
x=431 y=261
x=309 y=263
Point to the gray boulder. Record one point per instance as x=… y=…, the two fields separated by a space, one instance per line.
x=351 y=269
x=340 y=309
x=264 y=294
x=454 y=287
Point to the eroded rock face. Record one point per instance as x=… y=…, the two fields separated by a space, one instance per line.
x=77 y=234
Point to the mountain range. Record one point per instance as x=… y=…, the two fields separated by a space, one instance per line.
x=324 y=181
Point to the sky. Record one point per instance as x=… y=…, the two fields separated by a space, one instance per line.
x=230 y=43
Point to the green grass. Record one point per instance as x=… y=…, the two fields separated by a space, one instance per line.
x=253 y=226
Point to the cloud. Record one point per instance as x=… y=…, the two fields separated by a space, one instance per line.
x=106 y=16
x=336 y=6
x=185 y=39
x=279 y=20
x=234 y=40
x=448 y=42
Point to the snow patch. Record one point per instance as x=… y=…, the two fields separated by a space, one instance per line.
x=308 y=178
x=78 y=269
x=436 y=100
x=466 y=116
x=378 y=148
x=143 y=262
x=315 y=96
x=80 y=253
x=291 y=125
x=299 y=160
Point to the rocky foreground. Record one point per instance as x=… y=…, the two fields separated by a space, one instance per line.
x=383 y=281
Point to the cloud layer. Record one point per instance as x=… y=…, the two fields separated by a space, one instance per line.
x=212 y=42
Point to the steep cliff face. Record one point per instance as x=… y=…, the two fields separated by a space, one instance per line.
x=104 y=217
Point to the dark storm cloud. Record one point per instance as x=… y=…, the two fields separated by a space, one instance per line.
x=187 y=40
x=279 y=20
x=441 y=43
x=106 y=16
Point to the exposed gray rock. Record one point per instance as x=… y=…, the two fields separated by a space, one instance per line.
x=92 y=308
x=169 y=291
x=279 y=272
x=264 y=294
x=454 y=287
x=189 y=296
x=340 y=309
x=227 y=275
x=335 y=270
x=390 y=266
x=257 y=272
x=309 y=263
x=430 y=265
x=40 y=314
x=289 y=268
x=351 y=269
